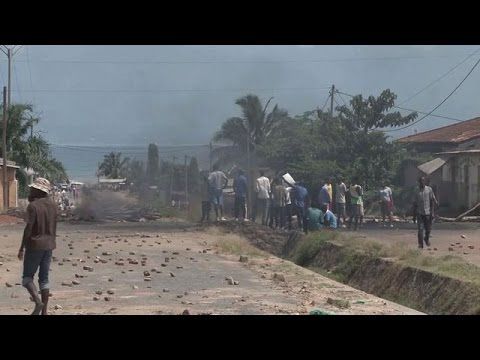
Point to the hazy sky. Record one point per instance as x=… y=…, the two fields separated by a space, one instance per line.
x=171 y=95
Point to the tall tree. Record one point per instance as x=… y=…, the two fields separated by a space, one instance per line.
x=29 y=149
x=254 y=127
x=113 y=166
x=373 y=113
x=153 y=164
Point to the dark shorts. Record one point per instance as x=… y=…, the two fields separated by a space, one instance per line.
x=357 y=210
x=32 y=261
x=341 y=210
x=386 y=208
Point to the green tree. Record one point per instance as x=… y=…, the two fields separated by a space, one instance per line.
x=113 y=166
x=152 y=164
x=30 y=150
x=373 y=113
x=254 y=124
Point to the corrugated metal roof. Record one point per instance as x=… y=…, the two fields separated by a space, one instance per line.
x=456 y=133
x=431 y=166
x=459 y=152
x=9 y=164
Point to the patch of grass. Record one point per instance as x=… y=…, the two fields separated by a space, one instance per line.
x=236 y=245
x=357 y=250
x=308 y=248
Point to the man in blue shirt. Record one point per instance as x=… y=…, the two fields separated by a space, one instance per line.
x=324 y=195
x=300 y=195
x=240 y=188
x=327 y=218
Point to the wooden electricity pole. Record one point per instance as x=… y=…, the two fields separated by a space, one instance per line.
x=332 y=92
x=186 y=184
x=4 y=152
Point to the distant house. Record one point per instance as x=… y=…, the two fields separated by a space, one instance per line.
x=455 y=171
x=461 y=136
x=12 y=184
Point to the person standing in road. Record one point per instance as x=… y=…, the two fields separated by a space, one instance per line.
x=340 y=202
x=300 y=199
x=218 y=181
x=38 y=242
x=240 y=189
x=356 y=195
x=386 y=203
x=262 y=189
x=324 y=196
x=279 y=201
x=423 y=206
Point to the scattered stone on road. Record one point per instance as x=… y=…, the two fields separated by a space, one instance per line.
x=166 y=290
x=278 y=277
x=463 y=236
x=75 y=282
x=243 y=258
x=8 y=284
x=186 y=312
x=66 y=283
x=88 y=268
x=230 y=280
x=110 y=292
x=172 y=274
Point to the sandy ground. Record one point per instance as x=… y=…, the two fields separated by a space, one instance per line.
x=193 y=277
x=444 y=236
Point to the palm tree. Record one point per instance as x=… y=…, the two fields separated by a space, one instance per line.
x=254 y=127
x=113 y=166
x=29 y=150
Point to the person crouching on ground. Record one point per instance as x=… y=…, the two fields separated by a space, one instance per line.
x=423 y=209
x=314 y=215
x=327 y=218
x=38 y=242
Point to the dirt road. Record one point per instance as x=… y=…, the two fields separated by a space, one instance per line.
x=167 y=268
x=446 y=238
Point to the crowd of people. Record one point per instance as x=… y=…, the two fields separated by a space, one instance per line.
x=276 y=201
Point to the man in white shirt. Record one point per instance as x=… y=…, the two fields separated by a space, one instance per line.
x=217 y=182
x=340 y=202
x=386 y=203
x=262 y=189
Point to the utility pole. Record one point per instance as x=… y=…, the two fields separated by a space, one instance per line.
x=186 y=184
x=4 y=151
x=171 y=177
x=332 y=92
x=249 y=173
x=211 y=155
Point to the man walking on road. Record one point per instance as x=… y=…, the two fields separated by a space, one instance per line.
x=217 y=180
x=423 y=206
x=38 y=242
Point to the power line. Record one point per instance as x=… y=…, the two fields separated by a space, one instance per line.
x=326 y=102
x=440 y=78
x=180 y=62
x=168 y=90
x=436 y=107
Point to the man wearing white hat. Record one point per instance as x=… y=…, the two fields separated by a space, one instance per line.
x=38 y=242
